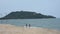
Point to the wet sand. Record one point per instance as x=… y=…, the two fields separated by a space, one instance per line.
x=11 y=29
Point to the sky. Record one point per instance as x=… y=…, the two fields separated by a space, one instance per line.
x=46 y=7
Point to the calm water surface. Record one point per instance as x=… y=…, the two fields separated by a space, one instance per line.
x=44 y=23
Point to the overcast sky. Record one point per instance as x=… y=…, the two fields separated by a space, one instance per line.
x=47 y=7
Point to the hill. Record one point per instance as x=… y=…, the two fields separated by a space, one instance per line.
x=26 y=15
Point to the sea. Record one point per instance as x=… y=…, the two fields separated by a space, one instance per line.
x=53 y=23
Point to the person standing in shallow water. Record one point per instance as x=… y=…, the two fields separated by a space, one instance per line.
x=26 y=25
x=29 y=25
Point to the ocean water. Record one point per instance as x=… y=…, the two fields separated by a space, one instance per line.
x=44 y=23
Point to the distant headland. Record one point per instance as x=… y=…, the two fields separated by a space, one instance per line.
x=26 y=15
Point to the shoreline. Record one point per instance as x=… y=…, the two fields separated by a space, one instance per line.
x=12 y=29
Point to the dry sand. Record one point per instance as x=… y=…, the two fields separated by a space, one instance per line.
x=11 y=29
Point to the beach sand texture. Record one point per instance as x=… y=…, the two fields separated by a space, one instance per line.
x=11 y=29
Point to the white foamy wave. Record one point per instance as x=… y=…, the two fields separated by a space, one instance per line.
x=30 y=27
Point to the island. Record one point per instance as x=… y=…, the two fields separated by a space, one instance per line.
x=26 y=15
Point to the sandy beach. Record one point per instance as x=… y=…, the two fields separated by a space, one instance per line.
x=11 y=29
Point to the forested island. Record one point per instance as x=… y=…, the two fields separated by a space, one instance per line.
x=26 y=15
